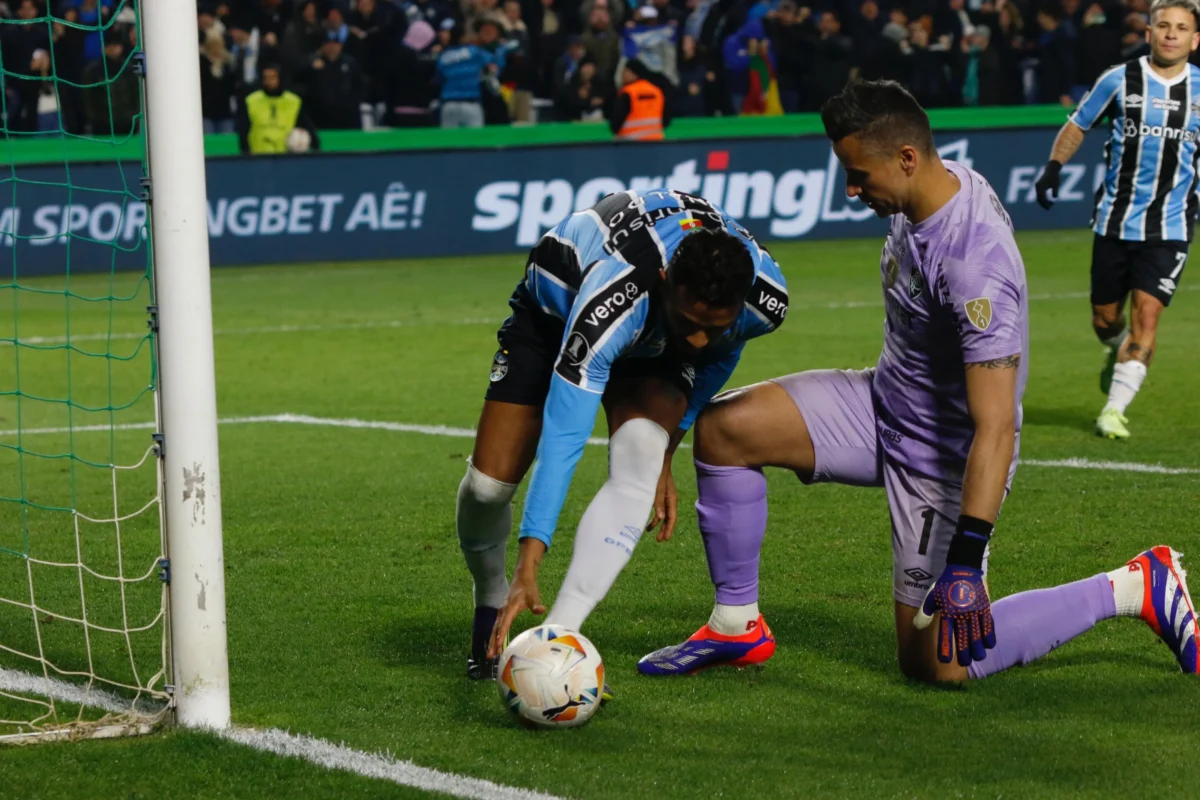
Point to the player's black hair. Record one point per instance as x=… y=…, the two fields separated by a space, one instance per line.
x=881 y=113
x=713 y=267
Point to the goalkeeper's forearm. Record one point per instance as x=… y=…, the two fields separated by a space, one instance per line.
x=986 y=475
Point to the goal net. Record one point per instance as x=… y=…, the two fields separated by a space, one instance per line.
x=85 y=629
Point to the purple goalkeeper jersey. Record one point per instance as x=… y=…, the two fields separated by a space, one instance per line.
x=954 y=289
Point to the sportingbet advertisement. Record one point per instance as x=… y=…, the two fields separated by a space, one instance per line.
x=345 y=207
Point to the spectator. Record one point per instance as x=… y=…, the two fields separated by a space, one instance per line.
x=93 y=14
x=495 y=106
x=23 y=49
x=113 y=102
x=411 y=89
x=551 y=42
x=1133 y=41
x=640 y=111
x=929 y=79
x=867 y=33
x=269 y=115
x=568 y=64
x=696 y=82
x=791 y=43
x=669 y=14
x=832 y=61
x=302 y=37
x=601 y=41
x=585 y=95
x=892 y=59
x=460 y=69
x=335 y=87
x=218 y=85
x=68 y=46
x=518 y=67
x=374 y=26
x=243 y=40
x=272 y=20
x=651 y=41
x=435 y=12
x=617 y=11
x=981 y=84
x=1056 y=59
x=1098 y=48
x=475 y=12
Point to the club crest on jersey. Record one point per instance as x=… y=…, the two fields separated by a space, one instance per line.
x=916 y=285
x=891 y=273
x=499 y=366
x=979 y=312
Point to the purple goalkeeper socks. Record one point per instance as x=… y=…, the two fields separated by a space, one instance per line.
x=1031 y=624
x=733 y=518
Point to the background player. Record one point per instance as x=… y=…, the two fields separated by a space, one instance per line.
x=936 y=423
x=642 y=303
x=1143 y=217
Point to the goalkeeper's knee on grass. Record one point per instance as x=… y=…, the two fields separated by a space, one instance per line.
x=484 y=519
x=614 y=521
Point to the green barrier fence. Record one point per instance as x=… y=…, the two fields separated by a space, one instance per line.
x=35 y=149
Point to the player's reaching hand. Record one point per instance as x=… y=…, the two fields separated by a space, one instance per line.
x=961 y=597
x=666 y=504
x=1048 y=183
x=523 y=594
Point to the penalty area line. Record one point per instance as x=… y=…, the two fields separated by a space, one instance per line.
x=469 y=433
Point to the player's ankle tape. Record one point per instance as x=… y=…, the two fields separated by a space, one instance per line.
x=970 y=542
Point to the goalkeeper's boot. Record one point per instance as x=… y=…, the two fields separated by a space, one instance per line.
x=1111 y=424
x=1106 y=374
x=479 y=666
x=706 y=648
x=1167 y=606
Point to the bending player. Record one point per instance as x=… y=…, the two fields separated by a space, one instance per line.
x=641 y=303
x=936 y=422
x=1143 y=218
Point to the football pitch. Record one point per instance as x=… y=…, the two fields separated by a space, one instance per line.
x=349 y=605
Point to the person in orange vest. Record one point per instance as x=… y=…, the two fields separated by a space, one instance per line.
x=640 y=111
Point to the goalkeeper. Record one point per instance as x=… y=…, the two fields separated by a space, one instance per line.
x=641 y=304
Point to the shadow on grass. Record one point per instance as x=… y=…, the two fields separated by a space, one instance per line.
x=1081 y=419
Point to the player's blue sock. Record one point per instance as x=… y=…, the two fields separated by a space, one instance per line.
x=1031 y=624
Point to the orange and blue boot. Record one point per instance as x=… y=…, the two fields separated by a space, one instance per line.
x=706 y=648
x=1167 y=606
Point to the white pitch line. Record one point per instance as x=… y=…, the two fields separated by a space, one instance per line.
x=469 y=433
x=315 y=751
x=381 y=767
x=398 y=323
x=1115 y=466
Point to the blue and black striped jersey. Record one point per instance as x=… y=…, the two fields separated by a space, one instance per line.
x=597 y=271
x=1151 y=155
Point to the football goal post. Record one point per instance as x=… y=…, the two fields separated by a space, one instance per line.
x=112 y=591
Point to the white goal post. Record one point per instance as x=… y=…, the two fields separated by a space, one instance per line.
x=192 y=492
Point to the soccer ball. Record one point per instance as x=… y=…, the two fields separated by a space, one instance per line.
x=298 y=141
x=551 y=676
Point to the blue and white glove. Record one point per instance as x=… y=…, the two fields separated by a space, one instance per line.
x=961 y=597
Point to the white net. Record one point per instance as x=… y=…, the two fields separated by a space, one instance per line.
x=83 y=607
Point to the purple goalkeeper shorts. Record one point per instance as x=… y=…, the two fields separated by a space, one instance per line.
x=836 y=406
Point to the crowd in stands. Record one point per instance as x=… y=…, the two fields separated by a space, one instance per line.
x=352 y=64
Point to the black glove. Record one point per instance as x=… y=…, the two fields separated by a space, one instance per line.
x=1048 y=183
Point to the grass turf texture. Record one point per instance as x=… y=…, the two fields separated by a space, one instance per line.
x=349 y=604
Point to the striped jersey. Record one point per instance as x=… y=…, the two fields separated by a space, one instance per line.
x=598 y=272
x=1151 y=154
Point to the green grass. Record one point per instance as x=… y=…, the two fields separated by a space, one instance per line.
x=349 y=605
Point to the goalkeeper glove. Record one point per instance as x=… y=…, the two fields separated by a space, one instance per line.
x=961 y=597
